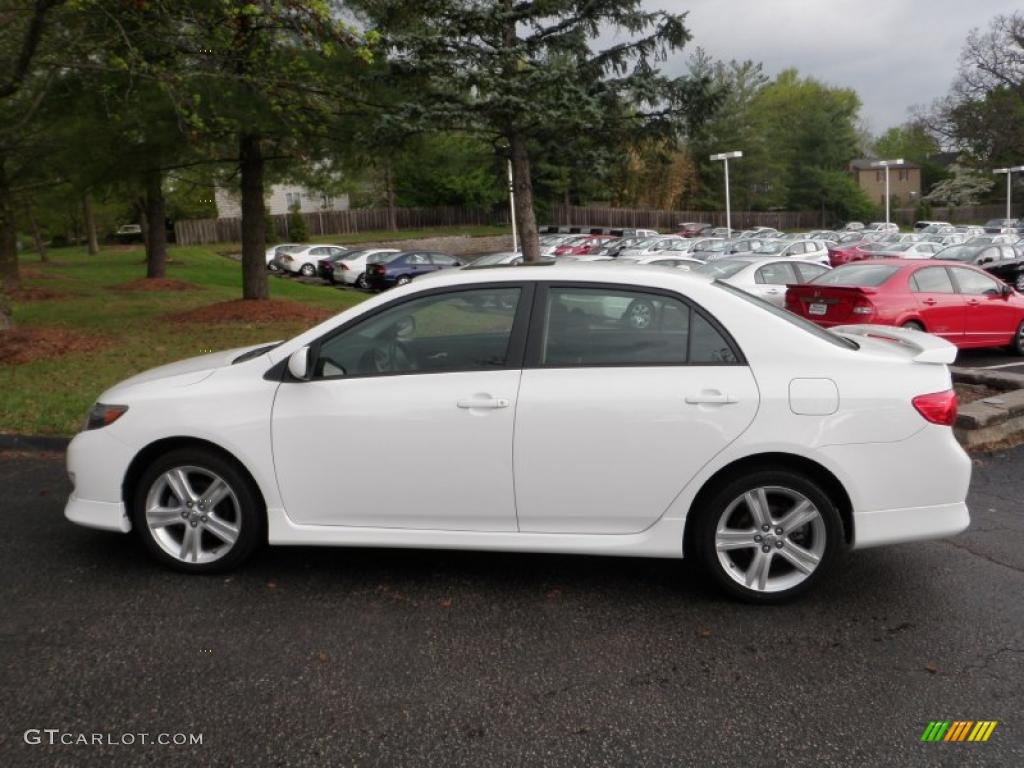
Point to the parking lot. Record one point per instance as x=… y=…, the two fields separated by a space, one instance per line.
x=384 y=657
x=988 y=359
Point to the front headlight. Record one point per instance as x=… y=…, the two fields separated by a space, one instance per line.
x=102 y=415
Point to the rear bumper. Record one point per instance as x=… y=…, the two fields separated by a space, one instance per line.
x=895 y=526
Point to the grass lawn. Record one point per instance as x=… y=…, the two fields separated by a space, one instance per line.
x=50 y=396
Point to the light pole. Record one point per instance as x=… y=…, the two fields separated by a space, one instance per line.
x=885 y=164
x=725 y=157
x=512 y=207
x=1009 y=176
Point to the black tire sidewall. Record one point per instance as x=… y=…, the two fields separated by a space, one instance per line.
x=912 y=325
x=707 y=522
x=1017 y=345
x=253 y=513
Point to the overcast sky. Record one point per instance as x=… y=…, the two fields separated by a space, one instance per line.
x=894 y=53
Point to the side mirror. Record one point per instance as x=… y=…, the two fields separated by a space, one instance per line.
x=298 y=364
x=1005 y=289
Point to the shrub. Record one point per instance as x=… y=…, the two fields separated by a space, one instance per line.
x=297 y=230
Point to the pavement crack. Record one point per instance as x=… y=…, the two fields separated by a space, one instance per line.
x=983 y=556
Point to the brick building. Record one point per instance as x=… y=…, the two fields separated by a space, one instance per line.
x=904 y=182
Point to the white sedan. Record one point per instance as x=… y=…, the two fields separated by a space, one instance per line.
x=350 y=268
x=302 y=261
x=763 y=276
x=745 y=437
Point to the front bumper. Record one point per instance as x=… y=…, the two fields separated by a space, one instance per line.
x=97 y=463
x=103 y=515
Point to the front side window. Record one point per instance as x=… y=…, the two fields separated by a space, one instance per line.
x=974 y=283
x=599 y=326
x=456 y=331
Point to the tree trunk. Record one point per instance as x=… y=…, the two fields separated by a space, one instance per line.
x=156 y=232
x=526 y=220
x=37 y=234
x=254 y=266
x=10 y=279
x=389 y=189
x=90 y=224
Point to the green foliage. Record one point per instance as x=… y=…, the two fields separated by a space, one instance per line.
x=923 y=211
x=297 y=230
x=965 y=187
x=913 y=142
x=447 y=169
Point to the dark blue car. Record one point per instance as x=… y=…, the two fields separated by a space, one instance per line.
x=402 y=267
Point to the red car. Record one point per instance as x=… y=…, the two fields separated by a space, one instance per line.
x=961 y=303
x=583 y=245
x=692 y=229
x=844 y=253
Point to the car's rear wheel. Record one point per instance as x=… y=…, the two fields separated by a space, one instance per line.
x=913 y=325
x=307 y=270
x=768 y=537
x=640 y=314
x=198 y=512
x=361 y=281
x=1019 y=283
x=1017 y=345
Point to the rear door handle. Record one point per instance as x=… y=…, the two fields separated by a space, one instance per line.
x=490 y=402
x=930 y=302
x=710 y=398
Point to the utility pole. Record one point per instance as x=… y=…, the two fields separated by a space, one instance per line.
x=725 y=157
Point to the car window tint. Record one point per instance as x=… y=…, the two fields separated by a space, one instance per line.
x=974 y=283
x=319 y=252
x=810 y=271
x=931 y=280
x=456 y=331
x=775 y=274
x=597 y=326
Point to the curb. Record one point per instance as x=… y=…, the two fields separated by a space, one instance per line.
x=995 y=420
x=39 y=443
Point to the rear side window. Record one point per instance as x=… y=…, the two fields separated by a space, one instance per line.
x=608 y=327
x=778 y=273
x=931 y=280
x=809 y=271
x=865 y=275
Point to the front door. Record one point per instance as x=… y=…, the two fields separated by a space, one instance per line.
x=940 y=308
x=990 y=317
x=408 y=420
x=628 y=394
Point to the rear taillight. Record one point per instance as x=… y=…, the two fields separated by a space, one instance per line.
x=938 y=408
x=340 y=266
x=863 y=308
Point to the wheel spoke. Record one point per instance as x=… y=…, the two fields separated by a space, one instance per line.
x=798 y=517
x=216 y=493
x=179 y=484
x=190 y=545
x=734 y=539
x=757 y=503
x=757 y=573
x=161 y=517
x=222 y=529
x=802 y=559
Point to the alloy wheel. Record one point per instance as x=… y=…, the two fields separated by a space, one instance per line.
x=770 y=539
x=361 y=281
x=1020 y=282
x=193 y=514
x=308 y=270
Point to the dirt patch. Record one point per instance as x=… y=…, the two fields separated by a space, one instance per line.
x=26 y=294
x=253 y=311
x=156 y=284
x=969 y=393
x=23 y=345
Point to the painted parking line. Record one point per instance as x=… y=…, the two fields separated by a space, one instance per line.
x=1003 y=365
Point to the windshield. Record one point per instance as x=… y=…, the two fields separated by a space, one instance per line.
x=773 y=247
x=900 y=247
x=857 y=275
x=789 y=317
x=959 y=253
x=492 y=258
x=722 y=268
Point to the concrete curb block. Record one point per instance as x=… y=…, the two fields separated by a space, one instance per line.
x=995 y=419
x=38 y=443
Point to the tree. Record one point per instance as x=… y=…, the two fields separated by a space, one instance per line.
x=913 y=142
x=522 y=75
x=965 y=187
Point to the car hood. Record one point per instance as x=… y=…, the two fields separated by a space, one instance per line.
x=187 y=372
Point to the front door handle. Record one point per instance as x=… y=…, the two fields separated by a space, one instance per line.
x=711 y=398
x=484 y=402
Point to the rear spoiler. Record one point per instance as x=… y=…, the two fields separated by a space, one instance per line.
x=925 y=347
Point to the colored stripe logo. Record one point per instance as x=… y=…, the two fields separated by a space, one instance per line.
x=958 y=730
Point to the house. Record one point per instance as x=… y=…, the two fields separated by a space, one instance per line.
x=904 y=181
x=281 y=199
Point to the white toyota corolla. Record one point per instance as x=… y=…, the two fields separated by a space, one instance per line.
x=599 y=409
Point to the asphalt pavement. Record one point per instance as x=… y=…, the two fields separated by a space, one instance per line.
x=384 y=657
x=990 y=359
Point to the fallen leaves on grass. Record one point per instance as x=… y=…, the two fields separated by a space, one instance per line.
x=156 y=284
x=23 y=345
x=26 y=294
x=253 y=311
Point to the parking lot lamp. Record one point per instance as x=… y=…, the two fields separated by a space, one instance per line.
x=1009 y=176
x=725 y=157
x=512 y=207
x=885 y=164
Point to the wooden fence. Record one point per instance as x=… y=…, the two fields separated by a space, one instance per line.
x=229 y=230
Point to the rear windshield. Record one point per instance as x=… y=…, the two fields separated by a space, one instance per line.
x=863 y=275
x=789 y=317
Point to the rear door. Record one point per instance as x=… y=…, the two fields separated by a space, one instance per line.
x=939 y=306
x=990 y=318
x=770 y=281
x=628 y=393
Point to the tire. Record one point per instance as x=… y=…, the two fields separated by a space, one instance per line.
x=1017 y=345
x=912 y=325
x=361 y=282
x=229 y=531
x=403 y=280
x=307 y=270
x=729 y=520
x=1019 y=282
x=639 y=314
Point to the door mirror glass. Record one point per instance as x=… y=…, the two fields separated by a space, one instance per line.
x=298 y=364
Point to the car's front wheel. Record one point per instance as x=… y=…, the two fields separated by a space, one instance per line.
x=1017 y=345
x=1019 y=283
x=308 y=270
x=198 y=512
x=769 y=536
x=361 y=281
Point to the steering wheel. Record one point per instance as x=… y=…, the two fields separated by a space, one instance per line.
x=391 y=358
